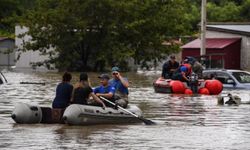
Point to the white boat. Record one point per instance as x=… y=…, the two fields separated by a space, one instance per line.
x=87 y=115
x=74 y=115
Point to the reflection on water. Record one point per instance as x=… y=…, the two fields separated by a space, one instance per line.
x=183 y=122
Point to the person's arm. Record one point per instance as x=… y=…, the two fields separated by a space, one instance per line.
x=72 y=96
x=123 y=81
x=106 y=95
x=97 y=99
x=184 y=76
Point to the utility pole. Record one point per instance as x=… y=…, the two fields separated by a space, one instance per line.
x=203 y=27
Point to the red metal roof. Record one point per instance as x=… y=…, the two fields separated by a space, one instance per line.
x=212 y=43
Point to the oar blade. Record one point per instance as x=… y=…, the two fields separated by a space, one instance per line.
x=146 y=121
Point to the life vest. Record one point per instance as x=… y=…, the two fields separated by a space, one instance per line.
x=189 y=68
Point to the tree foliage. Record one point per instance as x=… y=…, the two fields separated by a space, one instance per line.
x=92 y=34
x=100 y=32
x=9 y=12
x=228 y=10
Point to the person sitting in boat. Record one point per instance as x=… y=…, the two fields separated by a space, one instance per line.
x=105 y=90
x=121 y=85
x=169 y=68
x=63 y=92
x=188 y=66
x=82 y=92
x=181 y=74
x=197 y=67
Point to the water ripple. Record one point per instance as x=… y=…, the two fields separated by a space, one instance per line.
x=183 y=122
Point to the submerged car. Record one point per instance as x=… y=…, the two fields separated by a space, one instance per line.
x=231 y=79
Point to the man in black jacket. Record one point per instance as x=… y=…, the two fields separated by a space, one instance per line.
x=169 y=68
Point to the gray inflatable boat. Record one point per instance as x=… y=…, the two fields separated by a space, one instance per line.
x=73 y=115
x=88 y=115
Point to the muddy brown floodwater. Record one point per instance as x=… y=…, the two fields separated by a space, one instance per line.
x=183 y=122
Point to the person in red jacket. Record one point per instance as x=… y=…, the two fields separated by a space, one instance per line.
x=189 y=67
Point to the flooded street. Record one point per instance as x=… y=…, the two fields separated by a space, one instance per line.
x=183 y=122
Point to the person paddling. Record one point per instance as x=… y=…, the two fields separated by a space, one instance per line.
x=82 y=92
x=105 y=90
x=63 y=92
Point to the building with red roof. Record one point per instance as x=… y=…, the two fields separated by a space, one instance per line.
x=227 y=46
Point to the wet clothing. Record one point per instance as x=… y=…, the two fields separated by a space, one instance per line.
x=119 y=87
x=178 y=75
x=63 y=95
x=81 y=95
x=166 y=69
x=122 y=102
x=102 y=89
x=196 y=66
x=198 y=69
x=189 y=69
x=121 y=92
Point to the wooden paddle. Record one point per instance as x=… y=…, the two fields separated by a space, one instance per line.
x=146 y=121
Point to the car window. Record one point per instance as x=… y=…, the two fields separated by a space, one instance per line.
x=208 y=75
x=222 y=77
x=242 y=77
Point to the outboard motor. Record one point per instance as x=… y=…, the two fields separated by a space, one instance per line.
x=194 y=82
x=26 y=114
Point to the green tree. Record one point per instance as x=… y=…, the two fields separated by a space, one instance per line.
x=227 y=12
x=100 y=32
x=9 y=12
x=245 y=10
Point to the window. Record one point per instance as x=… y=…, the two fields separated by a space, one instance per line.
x=208 y=75
x=242 y=77
x=223 y=77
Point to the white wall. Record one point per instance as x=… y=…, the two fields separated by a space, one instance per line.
x=245 y=45
x=29 y=56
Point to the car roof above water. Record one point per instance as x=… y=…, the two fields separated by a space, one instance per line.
x=223 y=70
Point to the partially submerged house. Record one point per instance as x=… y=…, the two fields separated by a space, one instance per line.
x=223 y=52
x=227 y=45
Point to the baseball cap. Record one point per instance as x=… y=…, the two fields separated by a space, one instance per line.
x=115 y=69
x=104 y=76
